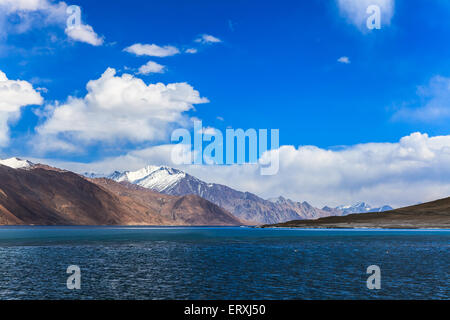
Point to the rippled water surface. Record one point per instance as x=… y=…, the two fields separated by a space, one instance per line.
x=222 y=263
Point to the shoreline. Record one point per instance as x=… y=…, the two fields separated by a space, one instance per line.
x=273 y=227
x=357 y=228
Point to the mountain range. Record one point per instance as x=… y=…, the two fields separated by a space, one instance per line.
x=430 y=215
x=244 y=205
x=41 y=195
x=362 y=207
x=153 y=195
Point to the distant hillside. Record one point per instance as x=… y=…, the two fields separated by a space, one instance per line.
x=40 y=195
x=434 y=214
x=362 y=207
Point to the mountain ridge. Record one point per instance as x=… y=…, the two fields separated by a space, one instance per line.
x=244 y=205
x=16 y=163
x=362 y=207
x=42 y=195
x=430 y=215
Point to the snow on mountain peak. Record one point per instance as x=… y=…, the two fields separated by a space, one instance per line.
x=158 y=178
x=358 y=205
x=16 y=163
x=362 y=207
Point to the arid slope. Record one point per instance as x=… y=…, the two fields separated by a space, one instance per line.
x=434 y=214
x=47 y=196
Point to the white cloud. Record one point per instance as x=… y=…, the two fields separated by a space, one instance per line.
x=191 y=50
x=415 y=169
x=36 y=13
x=435 y=99
x=116 y=109
x=209 y=131
x=151 y=67
x=355 y=11
x=42 y=89
x=158 y=155
x=152 y=50
x=29 y=14
x=84 y=33
x=345 y=60
x=25 y=5
x=206 y=38
x=14 y=94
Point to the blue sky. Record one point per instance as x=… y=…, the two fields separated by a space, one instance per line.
x=274 y=65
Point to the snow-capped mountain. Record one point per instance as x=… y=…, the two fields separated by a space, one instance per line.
x=161 y=179
x=362 y=207
x=244 y=205
x=16 y=163
x=44 y=195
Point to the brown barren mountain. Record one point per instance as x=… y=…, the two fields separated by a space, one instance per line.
x=43 y=195
x=170 y=210
x=435 y=214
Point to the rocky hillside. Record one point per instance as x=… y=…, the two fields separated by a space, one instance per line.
x=40 y=195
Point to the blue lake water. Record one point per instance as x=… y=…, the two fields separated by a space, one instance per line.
x=222 y=263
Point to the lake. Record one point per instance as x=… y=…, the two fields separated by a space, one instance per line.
x=222 y=263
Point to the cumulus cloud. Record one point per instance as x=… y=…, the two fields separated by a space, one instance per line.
x=26 y=5
x=152 y=50
x=345 y=60
x=133 y=160
x=151 y=67
x=355 y=11
x=414 y=169
x=435 y=98
x=14 y=94
x=206 y=38
x=116 y=109
x=29 y=13
x=191 y=50
x=36 y=13
x=84 y=33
